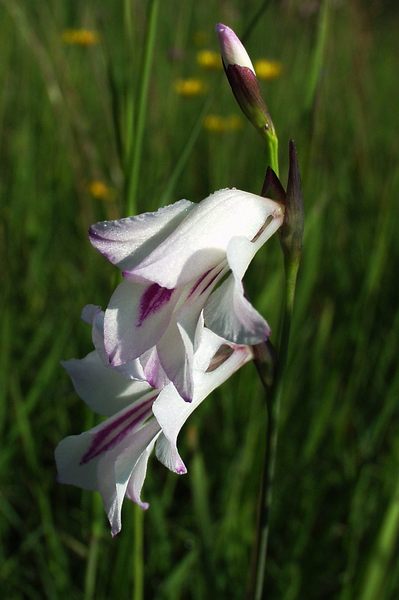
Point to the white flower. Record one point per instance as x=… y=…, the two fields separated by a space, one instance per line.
x=172 y=260
x=112 y=457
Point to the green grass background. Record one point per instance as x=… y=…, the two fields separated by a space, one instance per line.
x=69 y=115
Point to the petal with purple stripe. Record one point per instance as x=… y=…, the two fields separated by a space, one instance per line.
x=113 y=431
x=136 y=318
x=227 y=312
x=152 y=300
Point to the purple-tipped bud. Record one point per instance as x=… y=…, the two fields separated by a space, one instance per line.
x=291 y=232
x=242 y=78
x=233 y=52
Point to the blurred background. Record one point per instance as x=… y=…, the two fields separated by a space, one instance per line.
x=109 y=105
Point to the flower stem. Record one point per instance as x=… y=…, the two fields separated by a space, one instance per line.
x=272 y=149
x=138 y=565
x=273 y=400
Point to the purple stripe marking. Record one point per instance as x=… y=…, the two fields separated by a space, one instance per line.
x=98 y=241
x=107 y=438
x=152 y=300
x=211 y=281
x=198 y=282
x=95 y=235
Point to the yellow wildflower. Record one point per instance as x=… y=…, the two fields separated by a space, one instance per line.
x=80 y=37
x=214 y=123
x=190 y=87
x=99 y=190
x=268 y=69
x=208 y=59
x=219 y=124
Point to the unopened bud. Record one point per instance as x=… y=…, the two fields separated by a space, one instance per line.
x=291 y=232
x=242 y=78
x=273 y=188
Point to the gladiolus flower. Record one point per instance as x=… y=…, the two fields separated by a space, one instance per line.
x=112 y=457
x=171 y=261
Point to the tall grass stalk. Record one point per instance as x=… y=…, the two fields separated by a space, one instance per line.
x=374 y=584
x=136 y=153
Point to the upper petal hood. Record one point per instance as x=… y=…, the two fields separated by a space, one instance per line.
x=200 y=241
x=127 y=241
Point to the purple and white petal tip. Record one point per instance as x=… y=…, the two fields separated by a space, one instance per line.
x=232 y=50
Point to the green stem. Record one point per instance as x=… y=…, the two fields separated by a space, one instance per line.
x=134 y=162
x=273 y=401
x=138 y=566
x=272 y=146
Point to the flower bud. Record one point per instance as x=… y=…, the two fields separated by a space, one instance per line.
x=273 y=188
x=242 y=78
x=291 y=232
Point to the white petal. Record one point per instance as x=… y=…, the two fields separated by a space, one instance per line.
x=210 y=344
x=105 y=457
x=77 y=455
x=116 y=471
x=97 y=335
x=169 y=456
x=227 y=312
x=152 y=368
x=127 y=241
x=68 y=454
x=136 y=481
x=136 y=318
x=130 y=370
x=200 y=241
x=102 y=388
x=171 y=411
x=176 y=353
x=89 y=313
